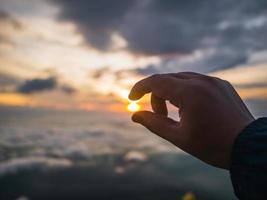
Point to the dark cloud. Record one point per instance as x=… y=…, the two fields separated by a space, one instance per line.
x=225 y=32
x=171 y=26
x=96 y=19
x=37 y=85
x=202 y=62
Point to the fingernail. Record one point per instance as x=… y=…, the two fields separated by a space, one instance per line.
x=133 y=96
x=130 y=96
x=137 y=118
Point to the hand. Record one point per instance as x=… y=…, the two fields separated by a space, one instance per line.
x=211 y=114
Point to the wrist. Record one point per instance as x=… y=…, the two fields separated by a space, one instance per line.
x=232 y=140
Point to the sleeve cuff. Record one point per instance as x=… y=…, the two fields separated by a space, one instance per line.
x=248 y=169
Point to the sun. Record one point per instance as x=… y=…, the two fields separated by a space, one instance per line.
x=133 y=106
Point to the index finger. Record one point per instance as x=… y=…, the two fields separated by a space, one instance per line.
x=162 y=85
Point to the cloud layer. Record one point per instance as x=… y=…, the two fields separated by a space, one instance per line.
x=203 y=36
x=130 y=39
x=162 y=27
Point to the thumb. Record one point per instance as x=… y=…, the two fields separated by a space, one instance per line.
x=161 y=125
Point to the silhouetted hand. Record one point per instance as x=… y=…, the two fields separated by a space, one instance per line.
x=211 y=114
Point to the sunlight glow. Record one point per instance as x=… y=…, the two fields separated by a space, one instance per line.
x=13 y=99
x=124 y=94
x=133 y=106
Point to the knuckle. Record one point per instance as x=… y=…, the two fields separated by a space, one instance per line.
x=209 y=79
x=196 y=87
x=209 y=82
x=155 y=76
x=227 y=83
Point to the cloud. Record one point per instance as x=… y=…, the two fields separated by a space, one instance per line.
x=6 y=17
x=172 y=26
x=96 y=19
x=8 y=24
x=203 y=36
x=7 y=82
x=99 y=73
x=37 y=85
x=258 y=107
x=68 y=89
x=199 y=61
x=16 y=165
x=6 y=40
x=252 y=85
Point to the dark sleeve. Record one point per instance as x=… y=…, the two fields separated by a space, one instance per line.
x=249 y=162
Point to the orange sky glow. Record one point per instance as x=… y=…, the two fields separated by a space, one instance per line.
x=84 y=77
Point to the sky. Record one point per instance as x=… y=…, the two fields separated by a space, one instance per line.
x=80 y=54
